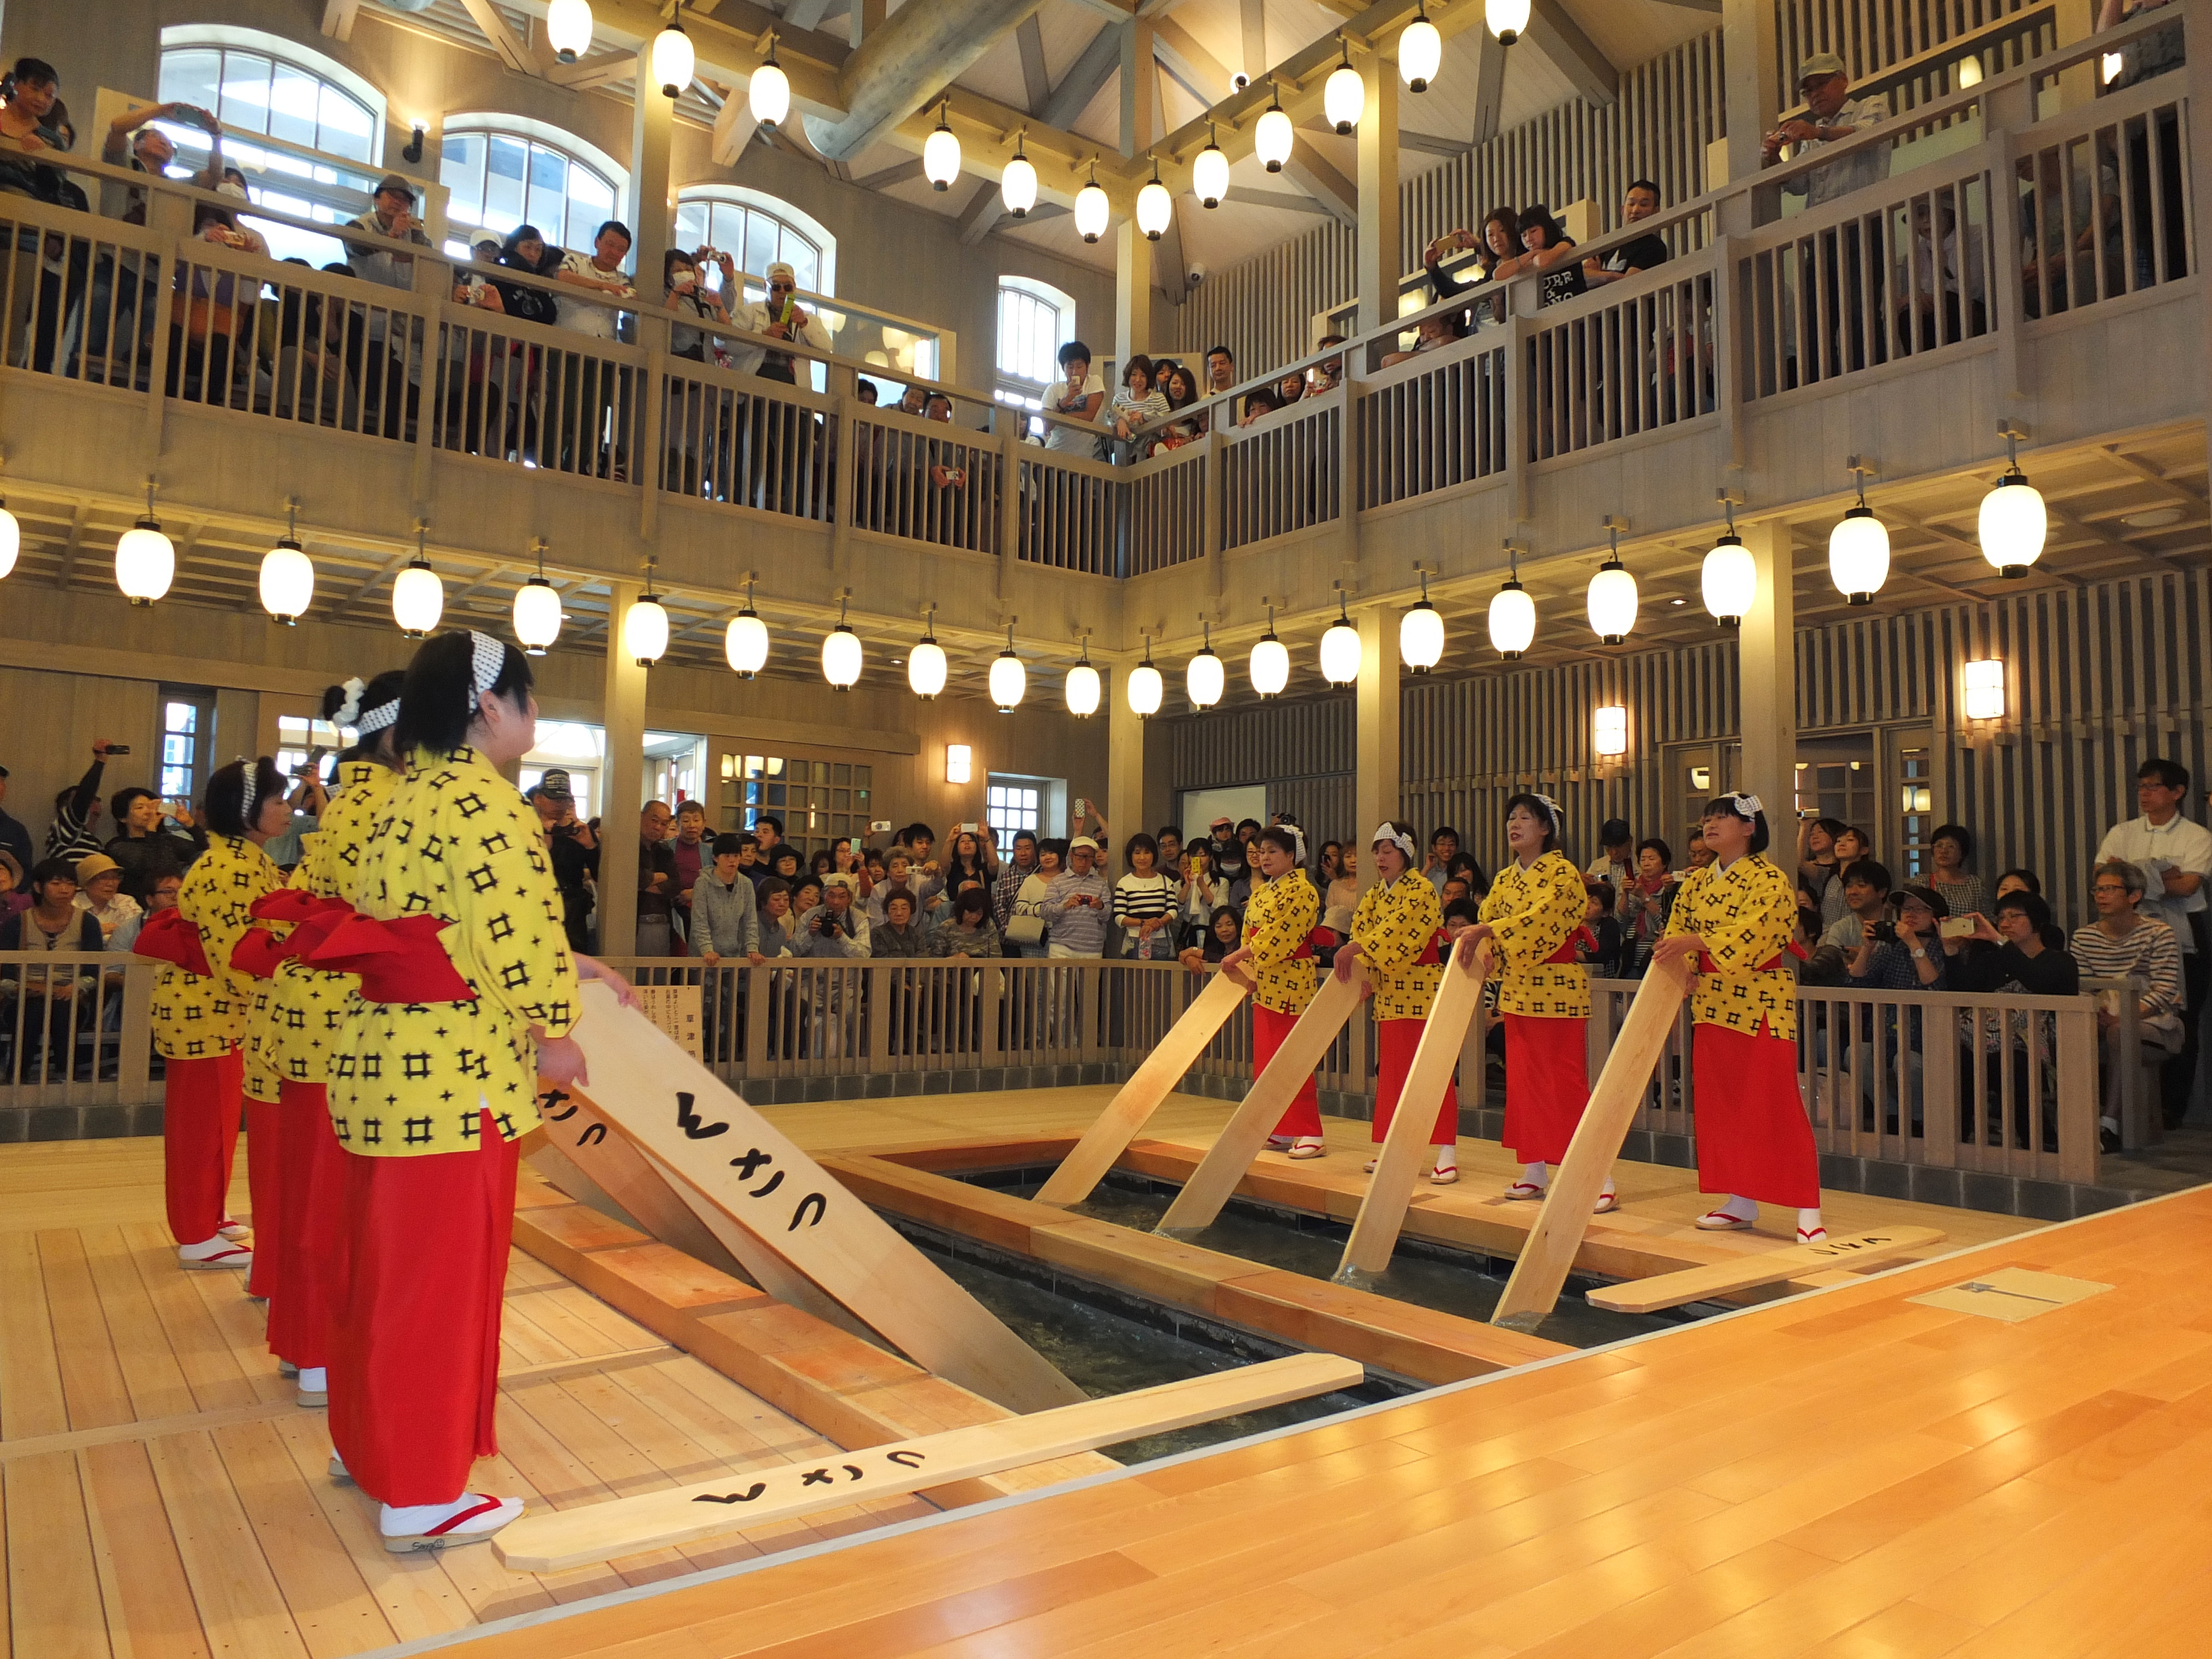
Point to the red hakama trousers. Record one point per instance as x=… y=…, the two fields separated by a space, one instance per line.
x=415 y=1353
x=199 y=1141
x=264 y=1189
x=1395 y=1041
x=1754 y=1139
x=307 y=1258
x=1269 y=1030
x=1546 y=1084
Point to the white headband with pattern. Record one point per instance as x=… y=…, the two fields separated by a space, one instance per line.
x=1747 y=805
x=250 y=770
x=1558 y=815
x=1390 y=832
x=486 y=656
x=378 y=718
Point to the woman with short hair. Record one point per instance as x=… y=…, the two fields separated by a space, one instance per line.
x=1276 y=959
x=1395 y=930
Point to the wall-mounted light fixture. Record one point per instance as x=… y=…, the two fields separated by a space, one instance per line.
x=959 y=762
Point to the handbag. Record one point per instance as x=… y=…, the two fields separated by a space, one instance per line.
x=1025 y=929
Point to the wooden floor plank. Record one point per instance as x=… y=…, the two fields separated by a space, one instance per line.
x=54 y=1605
x=156 y=1596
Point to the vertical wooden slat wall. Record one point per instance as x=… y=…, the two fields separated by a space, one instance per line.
x=2098 y=680
x=1669 y=111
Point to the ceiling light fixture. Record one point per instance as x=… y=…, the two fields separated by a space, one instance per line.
x=1421 y=633
x=924 y=663
x=1344 y=95
x=673 y=60
x=145 y=559
x=1017 y=184
x=1083 y=686
x=842 y=655
x=288 y=574
x=1612 y=597
x=744 y=642
x=769 y=95
x=1858 y=548
x=1730 y=580
x=1421 y=50
x=1146 y=686
x=1512 y=613
x=940 y=154
x=2014 y=522
x=1273 y=138
x=1340 y=649
x=1009 y=679
x=1206 y=678
x=1091 y=207
x=418 y=597
x=1270 y=665
x=645 y=628
x=1155 y=207
x=569 y=28
x=1209 y=174
x=536 y=610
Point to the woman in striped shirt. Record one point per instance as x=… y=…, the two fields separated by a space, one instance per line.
x=2119 y=945
x=1144 y=903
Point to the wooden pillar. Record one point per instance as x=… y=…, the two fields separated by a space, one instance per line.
x=651 y=138
x=1767 y=681
x=1132 y=294
x=1375 y=785
x=1125 y=755
x=1379 y=260
x=622 y=781
x=1753 y=90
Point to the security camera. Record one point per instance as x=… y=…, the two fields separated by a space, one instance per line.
x=1238 y=82
x=1196 y=274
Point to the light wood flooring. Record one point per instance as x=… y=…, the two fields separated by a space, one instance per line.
x=161 y=1495
x=1849 y=1476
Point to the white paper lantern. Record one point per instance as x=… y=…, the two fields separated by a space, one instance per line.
x=1342 y=98
x=1146 y=689
x=1155 y=210
x=1730 y=581
x=569 y=28
x=673 y=60
x=1339 y=650
x=940 y=154
x=1091 y=211
x=1612 y=601
x=924 y=668
x=769 y=95
x=11 y=539
x=1009 y=679
x=536 y=616
x=1512 y=620
x=1083 y=689
x=1206 y=678
x=1858 y=556
x=645 y=630
x=145 y=559
x=1271 y=664
x=841 y=657
x=1506 y=18
x=418 y=599
x=1421 y=633
x=1209 y=176
x=1420 y=51
x=2014 y=524
x=1273 y=138
x=288 y=581
x=1018 y=186
x=745 y=643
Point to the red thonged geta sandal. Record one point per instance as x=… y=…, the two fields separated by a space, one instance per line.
x=217 y=1252
x=1522 y=1192
x=1817 y=1236
x=1721 y=1221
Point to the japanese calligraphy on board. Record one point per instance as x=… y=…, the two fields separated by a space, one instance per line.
x=675 y=1009
x=639 y=1081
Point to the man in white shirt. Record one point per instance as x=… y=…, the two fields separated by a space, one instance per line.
x=1832 y=116
x=2175 y=856
x=1079 y=397
x=591 y=390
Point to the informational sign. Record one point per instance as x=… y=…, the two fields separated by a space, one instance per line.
x=675 y=1009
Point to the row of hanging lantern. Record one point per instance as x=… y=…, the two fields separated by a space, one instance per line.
x=1344 y=99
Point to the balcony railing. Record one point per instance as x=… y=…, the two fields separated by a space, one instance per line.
x=2014 y=206
x=1996 y=1083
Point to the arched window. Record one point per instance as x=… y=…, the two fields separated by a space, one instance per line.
x=756 y=231
x=1035 y=320
x=262 y=84
x=501 y=170
x=315 y=114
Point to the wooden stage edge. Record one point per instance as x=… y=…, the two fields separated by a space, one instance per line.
x=1851 y=1463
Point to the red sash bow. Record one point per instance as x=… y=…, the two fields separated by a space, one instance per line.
x=169 y=937
x=398 y=961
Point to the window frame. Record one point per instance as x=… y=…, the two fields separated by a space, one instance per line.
x=226 y=36
x=786 y=216
x=574 y=150
x=1019 y=391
